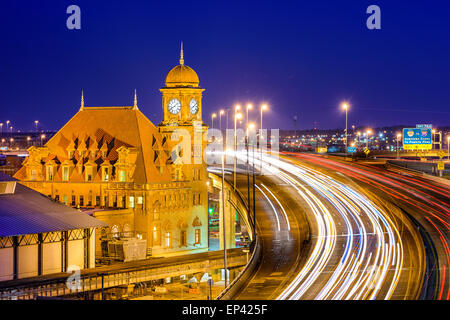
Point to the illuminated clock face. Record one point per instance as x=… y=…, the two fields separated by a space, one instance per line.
x=193 y=105
x=174 y=106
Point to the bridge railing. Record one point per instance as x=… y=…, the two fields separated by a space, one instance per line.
x=238 y=283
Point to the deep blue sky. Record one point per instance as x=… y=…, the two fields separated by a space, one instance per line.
x=301 y=57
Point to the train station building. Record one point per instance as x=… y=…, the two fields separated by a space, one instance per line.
x=130 y=173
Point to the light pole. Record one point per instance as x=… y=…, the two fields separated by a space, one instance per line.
x=7 y=126
x=399 y=135
x=368 y=132
x=212 y=120
x=263 y=107
x=236 y=117
x=448 y=148
x=359 y=137
x=42 y=138
x=36 y=124
x=221 y=112
x=249 y=107
x=223 y=220
x=250 y=126
x=226 y=111
x=1 y=126
x=345 y=107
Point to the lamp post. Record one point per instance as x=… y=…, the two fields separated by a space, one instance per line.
x=345 y=107
x=1 y=126
x=433 y=132
x=448 y=148
x=7 y=126
x=236 y=117
x=223 y=220
x=263 y=108
x=212 y=120
x=250 y=126
x=42 y=138
x=221 y=112
x=359 y=137
x=368 y=132
x=36 y=124
x=399 y=135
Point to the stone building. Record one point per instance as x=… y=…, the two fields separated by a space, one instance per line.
x=134 y=175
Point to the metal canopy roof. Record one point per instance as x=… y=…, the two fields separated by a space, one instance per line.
x=27 y=211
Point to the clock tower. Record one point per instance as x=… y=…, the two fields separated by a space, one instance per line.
x=181 y=96
x=184 y=140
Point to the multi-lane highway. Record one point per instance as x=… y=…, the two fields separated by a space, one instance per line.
x=324 y=237
x=423 y=200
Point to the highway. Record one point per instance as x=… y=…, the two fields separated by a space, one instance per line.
x=326 y=238
x=423 y=200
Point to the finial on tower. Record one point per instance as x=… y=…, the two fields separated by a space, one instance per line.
x=181 y=54
x=82 y=101
x=135 y=107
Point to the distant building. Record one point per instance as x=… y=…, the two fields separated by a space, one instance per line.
x=39 y=236
x=114 y=158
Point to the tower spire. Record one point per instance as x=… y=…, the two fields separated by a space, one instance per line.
x=135 y=107
x=82 y=101
x=181 y=54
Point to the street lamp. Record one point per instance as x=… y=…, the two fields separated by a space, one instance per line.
x=1 y=126
x=223 y=220
x=359 y=137
x=345 y=107
x=250 y=126
x=212 y=120
x=7 y=126
x=263 y=108
x=237 y=117
x=448 y=148
x=368 y=132
x=249 y=107
x=36 y=124
x=42 y=138
x=221 y=112
x=399 y=135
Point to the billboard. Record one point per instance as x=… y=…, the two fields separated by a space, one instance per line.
x=417 y=139
x=351 y=149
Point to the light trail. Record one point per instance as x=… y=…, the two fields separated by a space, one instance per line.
x=408 y=190
x=369 y=265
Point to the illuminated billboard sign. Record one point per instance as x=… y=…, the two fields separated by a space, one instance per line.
x=417 y=139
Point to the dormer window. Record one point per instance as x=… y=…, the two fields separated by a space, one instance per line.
x=122 y=176
x=65 y=173
x=49 y=173
x=105 y=174
x=33 y=174
x=88 y=174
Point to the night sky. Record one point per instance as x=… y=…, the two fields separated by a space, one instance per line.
x=301 y=57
